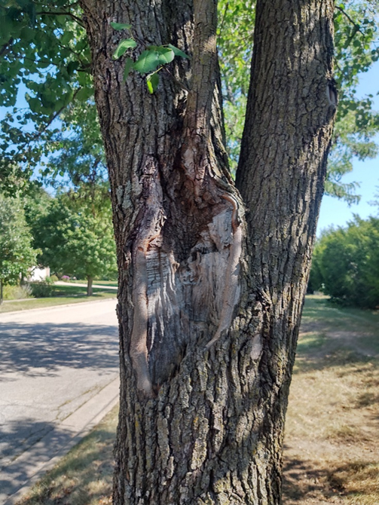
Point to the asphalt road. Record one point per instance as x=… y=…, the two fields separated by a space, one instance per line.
x=52 y=362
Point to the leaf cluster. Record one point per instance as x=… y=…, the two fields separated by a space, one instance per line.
x=43 y=52
x=150 y=61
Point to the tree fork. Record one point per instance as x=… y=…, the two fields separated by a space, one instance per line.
x=209 y=305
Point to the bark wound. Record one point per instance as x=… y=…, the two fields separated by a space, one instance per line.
x=231 y=288
x=176 y=302
x=150 y=225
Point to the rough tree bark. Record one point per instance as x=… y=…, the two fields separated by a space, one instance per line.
x=210 y=298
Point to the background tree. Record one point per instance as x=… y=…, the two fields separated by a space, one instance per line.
x=346 y=263
x=17 y=255
x=76 y=241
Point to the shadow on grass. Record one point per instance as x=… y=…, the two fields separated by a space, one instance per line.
x=303 y=481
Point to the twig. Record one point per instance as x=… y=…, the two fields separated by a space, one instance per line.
x=52 y=13
x=356 y=26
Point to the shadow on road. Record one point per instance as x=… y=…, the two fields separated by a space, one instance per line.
x=25 y=348
x=13 y=473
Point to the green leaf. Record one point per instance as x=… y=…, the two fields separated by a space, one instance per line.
x=128 y=66
x=123 y=46
x=152 y=82
x=152 y=58
x=83 y=94
x=147 y=61
x=178 y=52
x=166 y=55
x=120 y=26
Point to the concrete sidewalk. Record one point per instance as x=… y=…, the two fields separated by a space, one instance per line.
x=19 y=476
x=59 y=372
x=82 y=285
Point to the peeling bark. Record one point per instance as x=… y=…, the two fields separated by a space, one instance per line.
x=209 y=302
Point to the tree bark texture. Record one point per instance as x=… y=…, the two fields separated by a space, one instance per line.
x=210 y=299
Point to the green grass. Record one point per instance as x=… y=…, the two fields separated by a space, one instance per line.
x=64 y=290
x=106 y=283
x=62 y=295
x=96 y=282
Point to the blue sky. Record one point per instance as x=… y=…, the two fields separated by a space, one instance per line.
x=336 y=212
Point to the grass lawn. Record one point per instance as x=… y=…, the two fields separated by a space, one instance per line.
x=62 y=296
x=331 y=452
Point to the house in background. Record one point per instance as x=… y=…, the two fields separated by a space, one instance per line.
x=38 y=274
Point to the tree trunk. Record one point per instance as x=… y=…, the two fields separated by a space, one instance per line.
x=89 y=286
x=209 y=304
x=1 y=291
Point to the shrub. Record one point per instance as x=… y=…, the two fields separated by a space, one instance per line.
x=42 y=289
x=17 y=292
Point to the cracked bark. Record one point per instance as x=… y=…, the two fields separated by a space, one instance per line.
x=210 y=301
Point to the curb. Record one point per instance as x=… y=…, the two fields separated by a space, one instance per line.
x=29 y=467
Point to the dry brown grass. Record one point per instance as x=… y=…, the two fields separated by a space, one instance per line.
x=332 y=433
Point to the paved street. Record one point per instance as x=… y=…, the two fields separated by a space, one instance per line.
x=52 y=362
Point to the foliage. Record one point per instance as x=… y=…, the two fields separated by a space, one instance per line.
x=16 y=252
x=150 y=61
x=17 y=292
x=77 y=159
x=41 y=289
x=74 y=240
x=356 y=28
x=346 y=263
x=44 y=52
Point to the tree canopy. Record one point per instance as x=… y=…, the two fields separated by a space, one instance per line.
x=44 y=53
x=75 y=237
x=346 y=263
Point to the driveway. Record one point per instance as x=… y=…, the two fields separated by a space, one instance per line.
x=54 y=362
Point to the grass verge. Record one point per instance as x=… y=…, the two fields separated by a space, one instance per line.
x=331 y=449
x=84 y=475
x=62 y=295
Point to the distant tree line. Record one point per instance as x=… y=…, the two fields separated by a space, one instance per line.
x=71 y=233
x=346 y=263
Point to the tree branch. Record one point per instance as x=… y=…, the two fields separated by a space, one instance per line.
x=356 y=26
x=69 y=14
x=5 y=47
